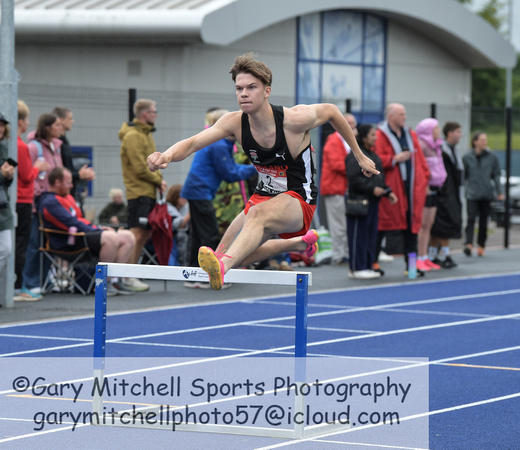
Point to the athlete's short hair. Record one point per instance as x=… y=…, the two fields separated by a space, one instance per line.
x=248 y=64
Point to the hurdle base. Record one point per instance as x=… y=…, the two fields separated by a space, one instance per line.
x=298 y=432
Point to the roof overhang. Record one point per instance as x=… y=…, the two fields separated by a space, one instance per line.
x=222 y=22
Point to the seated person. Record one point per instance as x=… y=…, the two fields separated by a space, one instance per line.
x=115 y=212
x=59 y=211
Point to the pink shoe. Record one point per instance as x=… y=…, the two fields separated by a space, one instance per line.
x=211 y=263
x=421 y=265
x=311 y=239
x=432 y=265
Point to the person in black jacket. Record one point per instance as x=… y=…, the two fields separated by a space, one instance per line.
x=362 y=230
x=448 y=220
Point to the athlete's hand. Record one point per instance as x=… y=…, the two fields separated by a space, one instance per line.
x=367 y=166
x=157 y=161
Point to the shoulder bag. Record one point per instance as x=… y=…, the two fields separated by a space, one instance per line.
x=357 y=207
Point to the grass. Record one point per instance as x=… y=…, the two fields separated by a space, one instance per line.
x=497 y=140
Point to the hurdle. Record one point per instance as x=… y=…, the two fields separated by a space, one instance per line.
x=301 y=281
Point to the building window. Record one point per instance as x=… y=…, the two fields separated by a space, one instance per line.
x=342 y=55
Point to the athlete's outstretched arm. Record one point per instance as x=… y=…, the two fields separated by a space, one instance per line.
x=224 y=127
x=312 y=116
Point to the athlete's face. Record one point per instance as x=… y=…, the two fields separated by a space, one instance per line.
x=251 y=92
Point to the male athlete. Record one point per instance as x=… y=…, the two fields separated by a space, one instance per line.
x=277 y=140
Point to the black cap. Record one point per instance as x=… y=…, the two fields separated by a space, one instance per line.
x=3 y=119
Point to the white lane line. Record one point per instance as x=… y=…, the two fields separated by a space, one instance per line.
x=45 y=349
x=437 y=362
x=51 y=338
x=415 y=416
x=416 y=329
x=320 y=314
x=41 y=433
x=340 y=330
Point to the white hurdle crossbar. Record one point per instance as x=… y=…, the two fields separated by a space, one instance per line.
x=301 y=280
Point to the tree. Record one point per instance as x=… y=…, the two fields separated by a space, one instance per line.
x=489 y=84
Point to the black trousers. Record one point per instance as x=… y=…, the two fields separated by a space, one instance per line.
x=409 y=238
x=362 y=238
x=482 y=209
x=204 y=228
x=23 y=233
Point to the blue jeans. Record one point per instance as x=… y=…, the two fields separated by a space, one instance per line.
x=31 y=269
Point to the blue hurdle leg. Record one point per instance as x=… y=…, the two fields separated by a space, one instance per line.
x=100 y=317
x=302 y=289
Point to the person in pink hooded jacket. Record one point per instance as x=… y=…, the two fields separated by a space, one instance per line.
x=429 y=132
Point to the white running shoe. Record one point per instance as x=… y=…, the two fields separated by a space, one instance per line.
x=383 y=257
x=133 y=284
x=366 y=274
x=196 y=285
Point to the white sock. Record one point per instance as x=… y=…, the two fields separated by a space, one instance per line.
x=445 y=251
x=423 y=257
x=432 y=252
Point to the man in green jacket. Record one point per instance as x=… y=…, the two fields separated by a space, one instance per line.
x=137 y=144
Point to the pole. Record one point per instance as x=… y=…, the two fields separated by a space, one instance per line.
x=348 y=105
x=8 y=99
x=433 y=110
x=509 y=126
x=132 y=97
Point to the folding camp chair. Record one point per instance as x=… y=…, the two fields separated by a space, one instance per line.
x=78 y=272
x=148 y=255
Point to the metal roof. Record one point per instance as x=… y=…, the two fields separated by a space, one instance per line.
x=80 y=5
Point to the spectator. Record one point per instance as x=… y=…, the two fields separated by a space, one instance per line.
x=44 y=145
x=27 y=173
x=448 y=220
x=85 y=173
x=333 y=185
x=407 y=174
x=114 y=213
x=141 y=185
x=482 y=175
x=362 y=230
x=231 y=198
x=179 y=210
x=59 y=211
x=428 y=132
x=209 y=168
x=6 y=178
x=277 y=141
